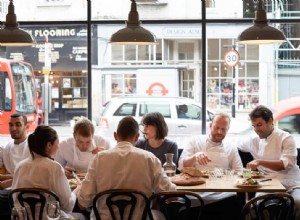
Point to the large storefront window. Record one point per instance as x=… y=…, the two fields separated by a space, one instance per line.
x=225 y=83
x=68 y=68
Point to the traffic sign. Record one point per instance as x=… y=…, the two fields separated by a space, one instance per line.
x=232 y=58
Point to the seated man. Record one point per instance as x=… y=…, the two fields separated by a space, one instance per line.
x=182 y=110
x=274 y=152
x=124 y=167
x=75 y=153
x=10 y=156
x=210 y=152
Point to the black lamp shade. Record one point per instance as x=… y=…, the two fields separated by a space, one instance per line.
x=133 y=33
x=261 y=32
x=15 y=37
x=11 y=35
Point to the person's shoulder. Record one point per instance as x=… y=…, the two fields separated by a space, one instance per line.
x=142 y=152
x=170 y=143
x=50 y=163
x=99 y=137
x=198 y=138
x=66 y=142
x=141 y=143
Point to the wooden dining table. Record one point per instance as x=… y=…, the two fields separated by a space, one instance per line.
x=225 y=185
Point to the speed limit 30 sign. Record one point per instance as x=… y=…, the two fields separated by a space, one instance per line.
x=232 y=58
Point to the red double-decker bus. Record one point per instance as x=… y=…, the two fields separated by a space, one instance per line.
x=17 y=93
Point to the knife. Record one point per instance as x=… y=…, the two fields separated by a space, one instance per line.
x=265 y=180
x=76 y=177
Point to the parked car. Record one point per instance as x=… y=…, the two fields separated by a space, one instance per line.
x=179 y=126
x=287 y=114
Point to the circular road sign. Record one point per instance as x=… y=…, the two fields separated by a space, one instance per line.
x=232 y=58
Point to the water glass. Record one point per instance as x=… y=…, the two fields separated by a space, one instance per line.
x=229 y=173
x=53 y=210
x=213 y=176
x=18 y=213
x=246 y=173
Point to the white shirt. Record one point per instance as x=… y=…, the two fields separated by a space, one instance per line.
x=42 y=172
x=69 y=155
x=123 y=167
x=12 y=154
x=222 y=155
x=279 y=145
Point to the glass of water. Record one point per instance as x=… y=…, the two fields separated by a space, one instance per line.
x=246 y=173
x=53 y=210
x=18 y=213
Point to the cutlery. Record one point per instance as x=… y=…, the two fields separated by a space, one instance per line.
x=76 y=177
x=265 y=180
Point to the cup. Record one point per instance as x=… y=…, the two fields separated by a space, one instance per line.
x=53 y=210
x=18 y=213
x=229 y=173
x=246 y=173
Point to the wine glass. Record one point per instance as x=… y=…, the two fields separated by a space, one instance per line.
x=53 y=210
x=18 y=213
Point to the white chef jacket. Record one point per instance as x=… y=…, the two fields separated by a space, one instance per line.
x=222 y=155
x=123 y=167
x=279 y=145
x=43 y=172
x=69 y=155
x=12 y=154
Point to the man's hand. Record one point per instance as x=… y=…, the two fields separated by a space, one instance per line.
x=201 y=158
x=253 y=164
x=68 y=172
x=5 y=177
x=5 y=184
x=97 y=149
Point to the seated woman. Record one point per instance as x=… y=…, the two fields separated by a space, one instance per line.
x=155 y=131
x=41 y=171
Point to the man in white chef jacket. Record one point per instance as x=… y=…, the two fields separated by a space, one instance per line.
x=208 y=152
x=75 y=153
x=10 y=155
x=274 y=152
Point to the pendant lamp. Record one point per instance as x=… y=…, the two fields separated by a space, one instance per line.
x=11 y=35
x=133 y=33
x=261 y=32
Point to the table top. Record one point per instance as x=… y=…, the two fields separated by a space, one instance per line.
x=224 y=185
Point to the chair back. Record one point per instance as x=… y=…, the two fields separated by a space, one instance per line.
x=277 y=206
x=122 y=204
x=33 y=199
x=179 y=205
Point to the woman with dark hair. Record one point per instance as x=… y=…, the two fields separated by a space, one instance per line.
x=41 y=171
x=155 y=132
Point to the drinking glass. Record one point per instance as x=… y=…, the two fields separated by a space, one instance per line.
x=229 y=173
x=18 y=213
x=53 y=210
x=246 y=173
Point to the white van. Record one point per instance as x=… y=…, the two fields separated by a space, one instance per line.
x=179 y=127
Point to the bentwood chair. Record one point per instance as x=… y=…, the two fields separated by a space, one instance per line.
x=179 y=205
x=122 y=204
x=33 y=199
x=277 y=206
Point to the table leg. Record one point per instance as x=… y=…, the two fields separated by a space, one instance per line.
x=246 y=197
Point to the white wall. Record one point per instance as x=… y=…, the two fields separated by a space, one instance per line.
x=33 y=10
